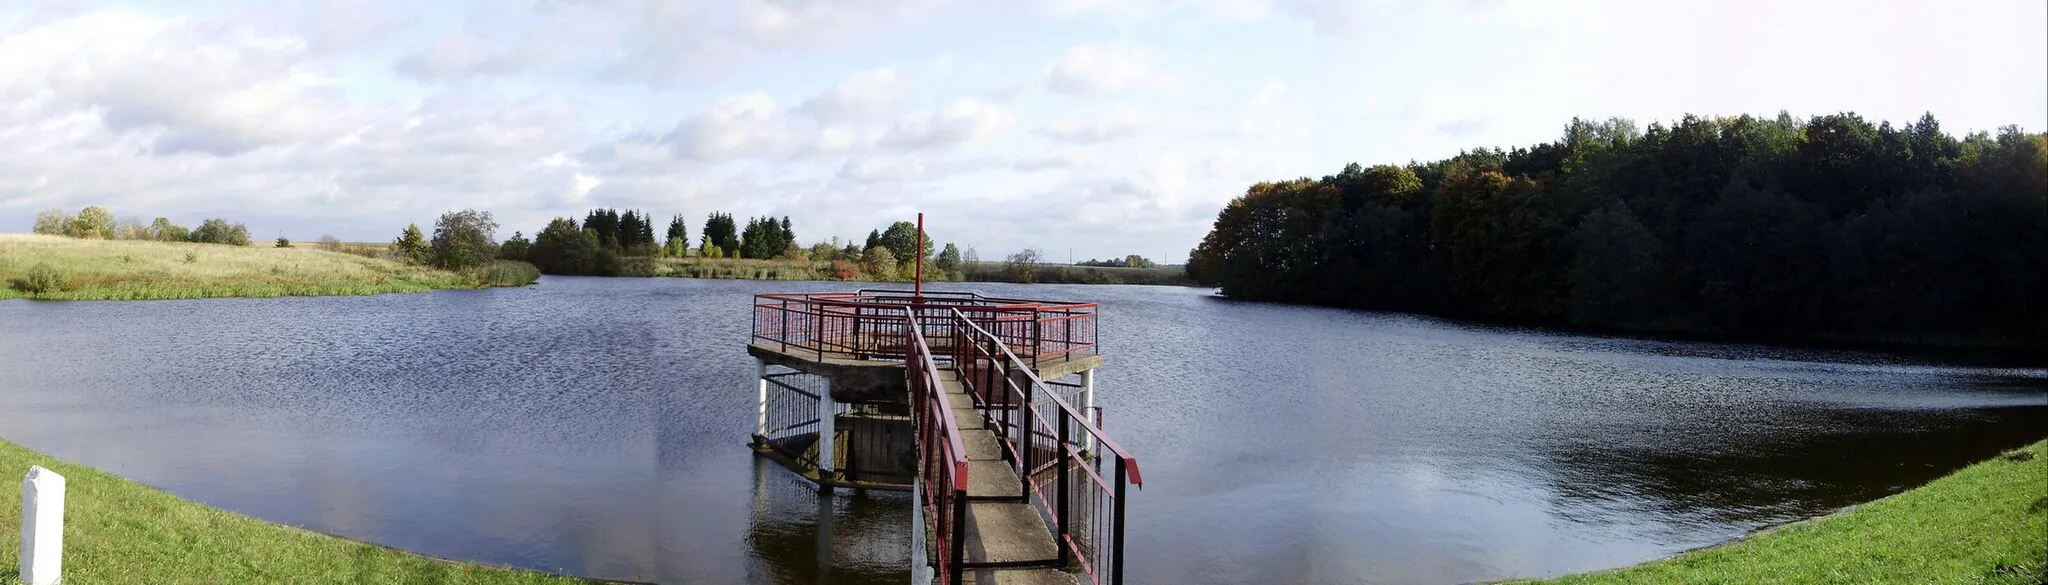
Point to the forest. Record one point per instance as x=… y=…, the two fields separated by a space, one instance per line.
x=1828 y=229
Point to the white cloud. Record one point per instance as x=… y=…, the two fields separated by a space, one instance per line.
x=196 y=86
x=867 y=96
x=356 y=116
x=1107 y=68
x=884 y=168
x=961 y=123
x=653 y=42
x=738 y=126
x=1116 y=124
x=1063 y=160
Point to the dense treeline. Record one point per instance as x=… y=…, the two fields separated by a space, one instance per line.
x=1834 y=228
x=611 y=243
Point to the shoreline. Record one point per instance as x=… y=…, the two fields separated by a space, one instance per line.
x=1706 y=563
x=2034 y=354
x=121 y=530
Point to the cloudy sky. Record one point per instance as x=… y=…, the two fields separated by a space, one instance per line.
x=1093 y=128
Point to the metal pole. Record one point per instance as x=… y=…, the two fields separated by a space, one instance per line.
x=917 y=292
x=959 y=535
x=1030 y=435
x=1065 y=522
x=1116 y=539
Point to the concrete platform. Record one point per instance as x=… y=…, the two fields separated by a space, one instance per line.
x=1019 y=577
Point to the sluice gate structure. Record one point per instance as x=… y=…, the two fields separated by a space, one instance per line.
x=984 y=408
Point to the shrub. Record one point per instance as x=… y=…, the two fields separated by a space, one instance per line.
x=191 y=257
x=283 y=242
x=43 y=279
x=463 y=239
x=508 y=273
x=219 y=231
x=92 y=222
x=411 y=244
x=52 y=222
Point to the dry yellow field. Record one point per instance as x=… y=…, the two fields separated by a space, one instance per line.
x=129 y=269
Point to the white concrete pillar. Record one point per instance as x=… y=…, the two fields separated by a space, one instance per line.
x=1088 y=405
x=828 y=413
x=42 y=526
x=920 y=563
x=761 y=403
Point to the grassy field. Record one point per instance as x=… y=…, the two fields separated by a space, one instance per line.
x=119 y=531
x=54 y=267
x=1987 y=523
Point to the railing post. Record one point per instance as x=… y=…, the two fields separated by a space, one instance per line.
x=1064 y=521
x=1037 y=337
x=1116 y=539
x=1067 y=340
x=959 y=540
x=1030 y=431
x=783 y=331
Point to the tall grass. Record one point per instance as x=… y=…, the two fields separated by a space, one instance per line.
x=138 y=270
x=507 y=273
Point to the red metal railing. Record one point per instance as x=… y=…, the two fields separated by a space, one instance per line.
x=943 y=460
x=873 y=324
x=1056 y=450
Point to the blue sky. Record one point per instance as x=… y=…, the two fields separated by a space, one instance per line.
x=1091 y=128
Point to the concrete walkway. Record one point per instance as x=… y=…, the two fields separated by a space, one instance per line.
x=999 y=530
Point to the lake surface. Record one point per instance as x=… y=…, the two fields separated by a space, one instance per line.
x=599 y=426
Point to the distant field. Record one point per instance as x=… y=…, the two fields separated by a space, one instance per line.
x=55 y=267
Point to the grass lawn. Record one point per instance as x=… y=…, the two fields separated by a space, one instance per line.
x=119 y=531
x=1987 y=523
x=130 y=270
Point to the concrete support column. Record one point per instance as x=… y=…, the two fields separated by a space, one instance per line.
x=920 y=562
x=761 y=402
x=1088 y=405
x=828 y=413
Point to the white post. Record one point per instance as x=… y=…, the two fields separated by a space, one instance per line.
x=1088 y=404
x=42 y=526
x=828 y=413
x=761 y=405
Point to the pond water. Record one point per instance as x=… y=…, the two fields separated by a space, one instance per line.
x=598 y=427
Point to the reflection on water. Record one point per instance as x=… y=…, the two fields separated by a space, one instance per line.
x=599 y=427
x=842 y=536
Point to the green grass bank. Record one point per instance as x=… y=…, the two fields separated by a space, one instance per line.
x=118 y=531
x=56 y=267
x=1984 y=524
